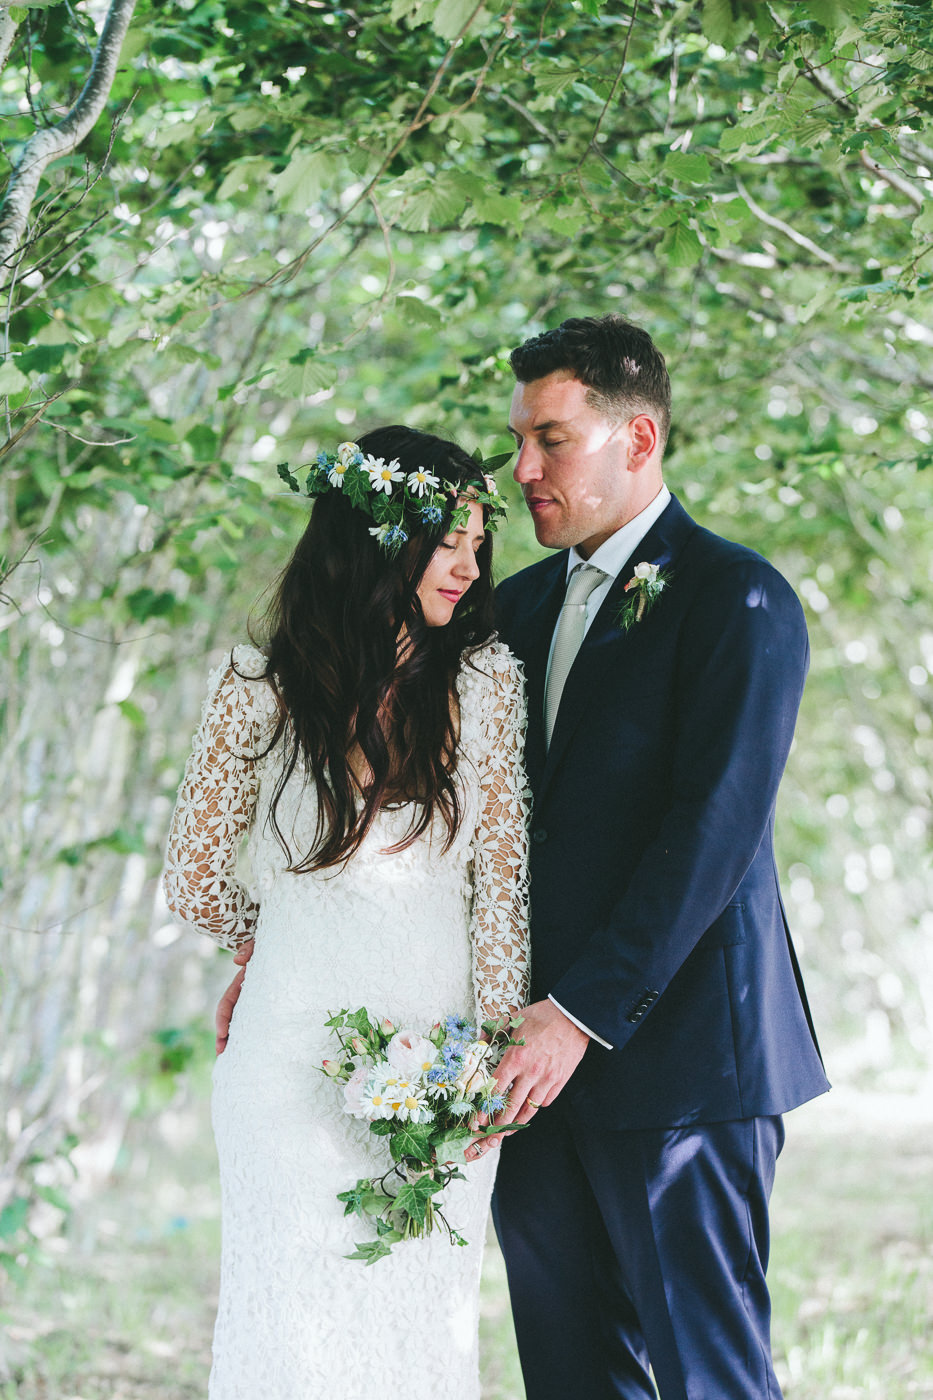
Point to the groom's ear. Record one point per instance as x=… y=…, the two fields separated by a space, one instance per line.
x=643 y=441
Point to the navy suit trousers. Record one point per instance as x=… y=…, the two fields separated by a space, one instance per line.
x=629 y=1249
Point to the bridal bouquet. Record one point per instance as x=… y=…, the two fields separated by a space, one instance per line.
x=421 y=1093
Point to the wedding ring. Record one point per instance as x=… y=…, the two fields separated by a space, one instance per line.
x=533 y=1104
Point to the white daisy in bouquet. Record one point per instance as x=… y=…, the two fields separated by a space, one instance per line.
x=423 y=1094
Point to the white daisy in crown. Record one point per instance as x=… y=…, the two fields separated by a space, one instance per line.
x=337 y=473
x=421 y=481
x=382 y=474
x=348 y=454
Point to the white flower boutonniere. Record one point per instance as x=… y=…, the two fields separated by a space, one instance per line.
x=645 y=587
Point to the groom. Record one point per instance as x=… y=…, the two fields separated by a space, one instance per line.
x=669 y=1028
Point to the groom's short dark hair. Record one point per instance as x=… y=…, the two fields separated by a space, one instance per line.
x=622 y=368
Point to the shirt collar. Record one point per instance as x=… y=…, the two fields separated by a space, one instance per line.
x=612 y=553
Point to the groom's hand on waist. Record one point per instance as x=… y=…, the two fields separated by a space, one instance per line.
x=229 y=999
x=538 y=1070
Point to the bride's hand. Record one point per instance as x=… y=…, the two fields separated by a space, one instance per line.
x=229 y=999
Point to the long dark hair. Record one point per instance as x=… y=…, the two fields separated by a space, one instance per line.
x=344 y=691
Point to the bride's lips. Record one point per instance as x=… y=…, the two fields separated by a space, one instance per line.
x=450 y=594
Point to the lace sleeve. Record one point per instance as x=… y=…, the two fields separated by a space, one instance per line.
x=499 y=925
x=215 y=804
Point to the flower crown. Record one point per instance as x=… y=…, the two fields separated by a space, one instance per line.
x=397 y=501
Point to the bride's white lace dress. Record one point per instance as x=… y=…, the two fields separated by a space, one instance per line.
x=414 y=935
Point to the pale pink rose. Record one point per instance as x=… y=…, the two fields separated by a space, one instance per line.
x=473 y=1075
x=411 y=1053
x=386 y=1026
x=353 y=1089
x=332 y=1068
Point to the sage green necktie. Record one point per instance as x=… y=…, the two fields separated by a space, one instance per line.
x=571 y=626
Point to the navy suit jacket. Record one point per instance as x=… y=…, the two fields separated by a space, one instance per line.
x=656 y=917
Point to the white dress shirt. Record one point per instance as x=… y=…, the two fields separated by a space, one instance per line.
x=610 y=557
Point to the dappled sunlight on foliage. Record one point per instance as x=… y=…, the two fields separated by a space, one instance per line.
x=293 y=222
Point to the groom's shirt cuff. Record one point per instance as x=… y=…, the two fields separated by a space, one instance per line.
x=592 y=1034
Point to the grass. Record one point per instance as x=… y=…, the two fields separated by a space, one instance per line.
x=126 y=1312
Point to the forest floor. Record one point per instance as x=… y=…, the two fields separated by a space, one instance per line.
x=123 y=1310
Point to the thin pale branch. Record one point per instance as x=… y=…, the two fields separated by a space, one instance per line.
x=890 y=177
x=50 y=143
x=800 y=239
x=8 y=28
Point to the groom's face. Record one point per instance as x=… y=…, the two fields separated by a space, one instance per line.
x=572 y=464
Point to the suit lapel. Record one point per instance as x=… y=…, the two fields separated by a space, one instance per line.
x=605 y=643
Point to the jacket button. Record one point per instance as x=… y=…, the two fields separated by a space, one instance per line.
x=539 y=836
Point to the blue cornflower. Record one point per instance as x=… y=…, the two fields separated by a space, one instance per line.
x=458 y=1026
x=322 y=459
x=494 y=1104
x=432 y=515
x=395 y=537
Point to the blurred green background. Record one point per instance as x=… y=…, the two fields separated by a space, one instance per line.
x=283 y=225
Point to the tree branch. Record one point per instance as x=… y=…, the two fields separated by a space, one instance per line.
x=897 y=182
x=8 y=28
x=801 y=239
x=48 y=144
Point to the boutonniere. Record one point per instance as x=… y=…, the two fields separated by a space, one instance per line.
x=645 y=588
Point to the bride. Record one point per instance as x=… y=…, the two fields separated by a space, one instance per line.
x=372 y=750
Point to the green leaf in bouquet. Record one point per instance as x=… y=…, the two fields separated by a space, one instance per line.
x=359 y=1021
x=412 y=1140
x=388 y=1232
x=382 y=1127
x=451 y=1146
x=353 y=1200
x=414 y=1196
x=375 y=1202
x=371 y=1250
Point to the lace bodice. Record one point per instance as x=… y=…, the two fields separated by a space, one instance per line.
x=228 y=784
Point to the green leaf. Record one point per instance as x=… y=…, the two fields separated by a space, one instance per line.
x=382 y=1127
x=133 y=713
x=353 y=1200
x=412 y=1140
x=412 y=1199
x=450 y=17
x=307 y=174
x=451 y=1146
x=433 y=205
x=39 y=359
x=11 y=381
x=14 y=1215
x=507 y=210
x=739 y=137
x=728 y=219
x=370 y=1250
x=417 y=312
x=305 y=374
x=692 y=168
x=726 y=22
x=250 y=173
x=144 y=603
x=681 y=246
